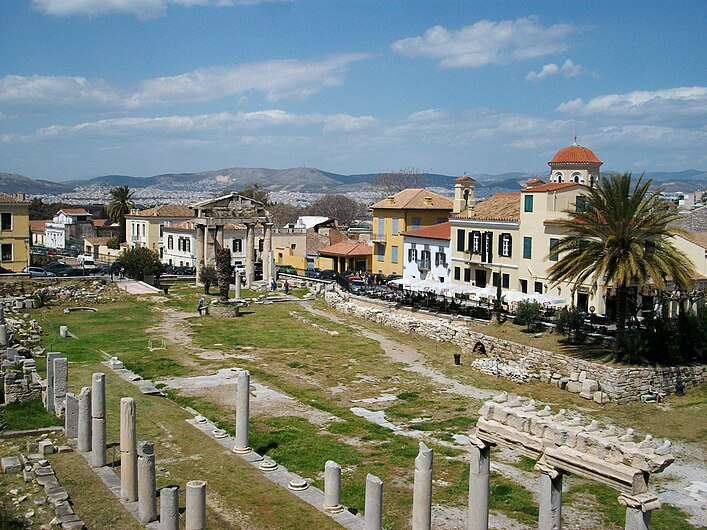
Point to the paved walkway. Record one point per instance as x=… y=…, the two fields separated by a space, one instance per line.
x=135 y=287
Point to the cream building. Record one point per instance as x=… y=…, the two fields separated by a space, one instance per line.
x=508 y=237
x=144 y=227
x=14 y=232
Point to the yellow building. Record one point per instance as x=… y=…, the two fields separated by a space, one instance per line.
x=406 y=210
x=144 y=227
x=14 y=232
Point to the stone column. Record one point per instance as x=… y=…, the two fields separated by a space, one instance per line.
x=638 y=510
x=146 y=482
x=242 y=412
x=550 y=497
x=249 y=254
x=128 y=450
x=98 y=421
x=61 y=383
x=209 y=242
x=196 y=505
x=50 y=380
x=169 y=508
x=332 y=487
x=238 y=285
x=268 y=273
x=374 y=503
x=3 y=336
x=478 y=516
x=84 y=430
x=199 y=251
x=71 y=416
x=422 y=490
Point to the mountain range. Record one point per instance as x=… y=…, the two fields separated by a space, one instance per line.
x=307 y=180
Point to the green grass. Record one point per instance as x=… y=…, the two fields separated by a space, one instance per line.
x=27 y=415
x=512 y=499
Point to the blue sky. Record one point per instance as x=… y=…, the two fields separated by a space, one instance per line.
x=143 y=87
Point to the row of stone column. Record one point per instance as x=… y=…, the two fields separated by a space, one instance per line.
x=138 y=480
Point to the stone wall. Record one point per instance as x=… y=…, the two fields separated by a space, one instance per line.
x=19 y=388
x=621 y=384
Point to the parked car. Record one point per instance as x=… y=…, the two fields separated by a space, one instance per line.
x=71 y=271
x=357 y=286
x=286 y=269
x=313 y=273
x=56 y=267
x=377 y=279
x=392 y=276
x=328 y=274
x=37 y=272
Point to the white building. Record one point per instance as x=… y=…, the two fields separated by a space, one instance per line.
x=69 y=228
x=426 y=252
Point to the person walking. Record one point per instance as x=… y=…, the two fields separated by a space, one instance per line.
x=273 y=284
x=286 y=286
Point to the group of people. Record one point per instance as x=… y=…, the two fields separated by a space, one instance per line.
x=285 y=285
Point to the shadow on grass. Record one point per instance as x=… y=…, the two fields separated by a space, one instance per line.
x=587 y=350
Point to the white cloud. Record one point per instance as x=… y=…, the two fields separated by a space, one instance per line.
x=568 y=69
x=487 y=42
x=657 y=105
x=143 y=9
x=278 y=79
x=45 y=91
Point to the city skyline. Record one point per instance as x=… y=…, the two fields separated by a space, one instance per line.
x=95 y=87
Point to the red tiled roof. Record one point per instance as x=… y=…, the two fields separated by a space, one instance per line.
x=464 y=178
x=552 y=186
x=499 y=207
x=74 y=211
x=415 y=199
x=165 y=210
x=698 y=238
x=438 y=231
x=37 y=226
x=575 y=154
x=347 y=248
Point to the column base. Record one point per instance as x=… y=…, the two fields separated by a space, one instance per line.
x=241 y=450
x=333 y=509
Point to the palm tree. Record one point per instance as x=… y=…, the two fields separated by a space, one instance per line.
x=622 y=235
x=119 y=206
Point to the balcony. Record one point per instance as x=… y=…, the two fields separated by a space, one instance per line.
x=378 y=237
x=424 y=265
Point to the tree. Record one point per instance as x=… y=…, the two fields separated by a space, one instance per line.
x=224 y=272
x=121 y=202
x=254 y=191
x=339 y=207
x=569 y=320
x=113 y=243
x=620 y=236
x=207 y=276
x=527 y=311
x=400 y=180
x=282 y=214
x=141 y=261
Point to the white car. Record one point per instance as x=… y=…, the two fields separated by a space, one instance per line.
x=37 y=272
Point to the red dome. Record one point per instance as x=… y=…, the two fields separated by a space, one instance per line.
x=575 y=154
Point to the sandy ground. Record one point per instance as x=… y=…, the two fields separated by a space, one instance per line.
x=684 y=484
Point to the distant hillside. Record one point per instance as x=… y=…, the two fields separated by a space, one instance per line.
x=310 y=180
x=12 y=183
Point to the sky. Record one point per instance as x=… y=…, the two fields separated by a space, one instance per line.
x=146 y=87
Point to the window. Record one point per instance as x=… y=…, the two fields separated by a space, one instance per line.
x=506 y=281
x=293 y=246
x=381 y=227
x=412 y=254
x=170 y=242
x=237 y=245
x=558 y=177
x=6 y=221
x=457 y=273
x=538 y=287
x=528 y=203
x=467 y=275
x=187 y=245
x=416 y=223
x=487 y=247
x=476 y=242
x=553 y=249
x=396 y=223
x=523 y=286
x=440 y=258
x=394 y=254
x=380 y=251
x=460 y=240
x=494 y=279
x=576 y=177
x=6 y=252
x=527 y=247
x=425 y=260
x=504 y=245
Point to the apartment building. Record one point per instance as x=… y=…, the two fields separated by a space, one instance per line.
x=144 y=228
x=14 y=232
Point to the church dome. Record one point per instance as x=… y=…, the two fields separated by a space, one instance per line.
x=575 y=154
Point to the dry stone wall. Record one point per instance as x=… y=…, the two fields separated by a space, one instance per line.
x=619 y=384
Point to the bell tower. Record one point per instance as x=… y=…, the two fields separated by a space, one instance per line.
x=463 y=193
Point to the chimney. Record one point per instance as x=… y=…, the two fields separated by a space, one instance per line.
x=463 y=194
x=428 y=200
x=391 y=199
x=534 y=182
